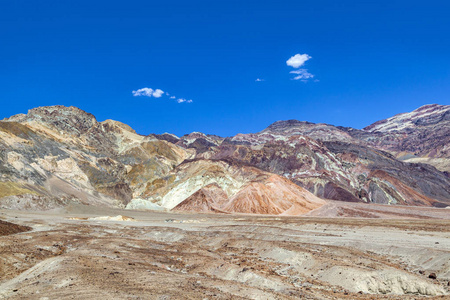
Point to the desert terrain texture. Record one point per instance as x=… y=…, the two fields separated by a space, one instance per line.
x=85 y=252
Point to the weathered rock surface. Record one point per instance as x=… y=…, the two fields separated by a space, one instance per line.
x=54 y=156
x=65 y=153
x=419 y=136
x=207 y=199
x=268 y=194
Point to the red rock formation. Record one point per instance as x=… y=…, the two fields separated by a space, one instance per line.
x=207 y=199
x=274 y=195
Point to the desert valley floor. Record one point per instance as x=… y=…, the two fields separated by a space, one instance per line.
x=370 y=252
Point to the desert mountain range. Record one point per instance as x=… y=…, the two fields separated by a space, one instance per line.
x=53 y=156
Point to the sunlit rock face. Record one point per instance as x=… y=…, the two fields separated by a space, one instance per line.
x=210 y=198
x=64 y=152
x=54 y=156
x=239 y=189
x=422 y=135
x=427 y=115
x=337 y=170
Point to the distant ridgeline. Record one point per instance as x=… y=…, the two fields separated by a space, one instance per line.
x=57 y=155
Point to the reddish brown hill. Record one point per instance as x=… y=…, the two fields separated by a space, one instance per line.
x=207 y=199
x=251 y=191
x=273 y=195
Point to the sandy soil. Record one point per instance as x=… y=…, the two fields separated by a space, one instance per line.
x=80 y=253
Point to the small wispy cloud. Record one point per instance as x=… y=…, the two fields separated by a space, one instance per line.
x=182 y=100
x=148 y=92
x=259 y=79
x=297 y=61
x=157 y=93
x=302 y=74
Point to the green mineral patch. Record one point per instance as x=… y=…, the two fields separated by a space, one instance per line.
x=96 y=176
x=157 y=184
x=147 y=171
x=160 y=148
x=153 y=149
x=13 y=189
x=106 y=183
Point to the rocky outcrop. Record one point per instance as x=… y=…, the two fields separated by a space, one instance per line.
x=422 y=135
x=321 y=131
x=207 y=199
x=427 y=115
x=333 y=170
x=53 y=156
x=257 y=192
x=273 y=195
x=65 y=153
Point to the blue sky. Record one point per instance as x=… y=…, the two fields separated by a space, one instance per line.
x=370 y=60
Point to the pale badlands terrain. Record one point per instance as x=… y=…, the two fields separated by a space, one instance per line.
x=84 y=252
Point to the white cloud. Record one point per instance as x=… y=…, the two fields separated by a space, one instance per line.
x=302 y=74
x=148 y=92
x=182 y=100
x=298 y=60
x=157 y=93
x=259 y=79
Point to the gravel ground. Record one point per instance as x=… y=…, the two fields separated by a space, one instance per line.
x=89 y=253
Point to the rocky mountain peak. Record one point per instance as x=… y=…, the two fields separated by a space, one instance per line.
x=318 y=131
x=286 y=125
x=195 y=135
x=68 y=119
x=111 y=125
x=172 y=138
x=426 y=115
